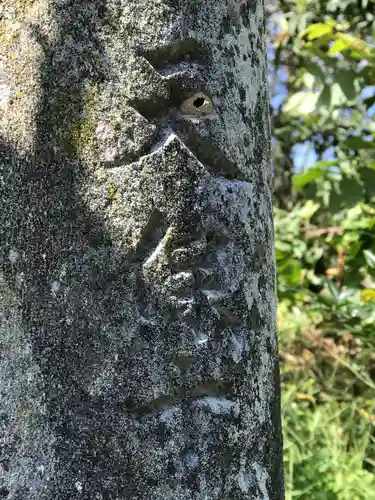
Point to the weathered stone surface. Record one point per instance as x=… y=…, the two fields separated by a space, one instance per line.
x=137 y=313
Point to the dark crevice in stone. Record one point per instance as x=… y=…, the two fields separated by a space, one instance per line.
x=178 y=51
x=182 y=396
x=152 y=235
x=210 y=155
x=151 y=108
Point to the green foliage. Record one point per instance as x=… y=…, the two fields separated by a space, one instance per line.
x=323 y=56
x=325 y=448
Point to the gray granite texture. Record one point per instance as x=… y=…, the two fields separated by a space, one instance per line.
x=138 y=354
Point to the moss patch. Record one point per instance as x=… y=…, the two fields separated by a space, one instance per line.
x=112 y=192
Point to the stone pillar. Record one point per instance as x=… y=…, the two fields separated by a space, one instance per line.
x=138 y=355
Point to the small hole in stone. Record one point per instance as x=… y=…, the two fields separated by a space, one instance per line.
x=198 y=102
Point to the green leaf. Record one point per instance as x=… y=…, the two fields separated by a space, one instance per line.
x=282 y=248
x=314 y=172
x=311 y=50
x=283 y=23
x=303 y=21
x=314 y=69
x=324 y=99
x=301 y=103
x=345 y=295
x=351 y=192
x=317 y=30
x=292 y=24
x=325 y=164
x=370 y=258
x=348 y=82
x=338 y=98
x=370 y=101
x=368 y=179
x=358 y=143
x=334 y=291
x=291 y=271
x=338 y=46
x=308 y=210
x=326 y=298
x=308 y=80
x=352 y=42
x=310 y=175
x=368 y=75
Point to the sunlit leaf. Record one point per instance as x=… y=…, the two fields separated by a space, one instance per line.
x=352 y=42
x=282 y=248
x=325 y=164
x=370 y=258
x=308 y=80
x=338 y=46
x=338 y=97
x=317 y=30
x=283 y=24
x=301 y=103
x=308 y=210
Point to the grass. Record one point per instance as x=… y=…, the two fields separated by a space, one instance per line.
x=326 y=449
x=328 y=404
